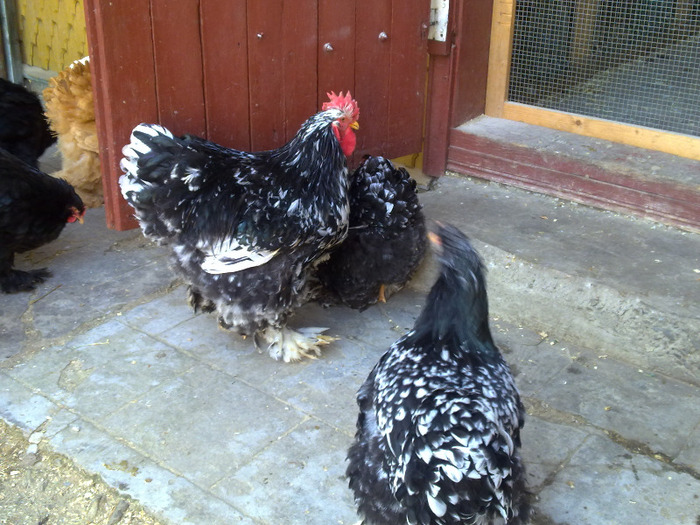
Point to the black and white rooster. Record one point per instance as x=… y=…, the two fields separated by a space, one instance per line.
x=386 y=240
x=438 y=433
x=245 y=227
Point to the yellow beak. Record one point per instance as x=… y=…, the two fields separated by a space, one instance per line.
x=355 y=125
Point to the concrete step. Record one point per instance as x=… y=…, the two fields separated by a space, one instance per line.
x=588 y=170
x=625 y=287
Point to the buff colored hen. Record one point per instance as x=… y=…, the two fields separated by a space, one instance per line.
x=71 y=112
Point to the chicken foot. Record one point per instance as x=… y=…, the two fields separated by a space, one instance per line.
x=18 y=281
x=293 y=345
x=382 y=295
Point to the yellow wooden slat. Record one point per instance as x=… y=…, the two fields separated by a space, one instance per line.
x=52 y=32
x=585 y=14
x=654 y=139
x=499 y=56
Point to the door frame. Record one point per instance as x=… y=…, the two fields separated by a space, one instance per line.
x=457 y=76
x=457 y=94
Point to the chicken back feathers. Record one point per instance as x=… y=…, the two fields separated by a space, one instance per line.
x=243 y=226
x=386 y=240
x=24 y=131
x=438 y=433
x=34 y=208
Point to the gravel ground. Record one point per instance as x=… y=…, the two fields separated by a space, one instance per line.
x=40 y=487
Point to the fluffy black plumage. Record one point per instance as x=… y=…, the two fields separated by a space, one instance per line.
x=438 y=433
x=24 y=131
x=386 y=240
x=34 y=208
x=244 y=227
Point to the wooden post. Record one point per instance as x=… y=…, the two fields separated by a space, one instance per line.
x=584 y=26
x=457 y=82
x=121 y=63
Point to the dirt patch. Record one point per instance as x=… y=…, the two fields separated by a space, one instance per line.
x=41 y=487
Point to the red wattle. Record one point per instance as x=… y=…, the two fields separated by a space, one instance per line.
x=348 y=142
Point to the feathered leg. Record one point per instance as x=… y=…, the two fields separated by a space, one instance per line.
x=12 y=281
x=198 y=302
x=293 y=345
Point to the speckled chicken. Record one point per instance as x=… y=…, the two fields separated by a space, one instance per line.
x=438 y=434
x=386 y=240
x=245 y=227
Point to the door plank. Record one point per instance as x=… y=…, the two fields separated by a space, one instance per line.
x=178 y=65
x=265 y=57
x=639 y=136
x=336 y=67
x=407 y=81
x=300 y=61
x=225 y=72
x=372 y=71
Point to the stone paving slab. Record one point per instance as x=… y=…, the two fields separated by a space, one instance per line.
x=631 y=402
x=191 y=420
x=96 y=274
x=22 y=406
x=164 y=492
x=604 y=483
x=303 y=470
x=547 y=447
x=690 y=455
x=99 y=377
x=203 y=423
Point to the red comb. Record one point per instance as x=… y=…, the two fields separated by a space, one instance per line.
x=344 y=102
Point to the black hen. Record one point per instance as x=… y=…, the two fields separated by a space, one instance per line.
x=24 y=131
x=386 y=240
x=438 y=433
x=34 y=208
x=245 y=227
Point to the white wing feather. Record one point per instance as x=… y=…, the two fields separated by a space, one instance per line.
x=229 y=256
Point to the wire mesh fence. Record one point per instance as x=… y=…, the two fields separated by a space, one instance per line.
x=630 y=61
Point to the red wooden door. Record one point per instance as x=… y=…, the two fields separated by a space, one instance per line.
x=246 y=74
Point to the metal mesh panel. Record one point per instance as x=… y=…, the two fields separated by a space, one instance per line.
x=631 y=61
